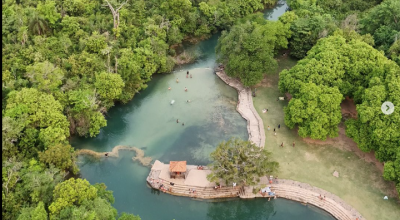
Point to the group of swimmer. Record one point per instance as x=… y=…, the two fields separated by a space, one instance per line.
x=177 y=81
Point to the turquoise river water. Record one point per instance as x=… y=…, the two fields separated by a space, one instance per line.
x=149 y=122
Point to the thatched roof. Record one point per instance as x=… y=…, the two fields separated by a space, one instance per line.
x=177 y=166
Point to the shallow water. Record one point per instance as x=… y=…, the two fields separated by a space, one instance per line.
x=149 y=122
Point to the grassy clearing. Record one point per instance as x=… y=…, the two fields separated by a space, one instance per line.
x=360 y=182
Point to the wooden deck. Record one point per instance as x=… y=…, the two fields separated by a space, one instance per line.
x=288 y=189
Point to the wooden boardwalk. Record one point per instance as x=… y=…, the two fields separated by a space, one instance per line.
x=195 y=180
x=255 y=126
x=288 y=189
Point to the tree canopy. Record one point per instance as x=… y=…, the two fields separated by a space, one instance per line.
x=336 y=67
x=241 y=162
x=64 y=65
x=248 y=49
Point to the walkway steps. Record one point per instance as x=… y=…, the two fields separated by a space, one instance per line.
x=303 y=195
x=200 y=192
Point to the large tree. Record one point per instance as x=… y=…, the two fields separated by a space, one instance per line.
x=241 y=162
x=76 y=197
x=40 y=111
x=248 y=48
x=316 y=110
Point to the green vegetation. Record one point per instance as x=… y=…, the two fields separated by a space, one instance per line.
x=316 y=19
x=383 y=22
x=335 y=68
x=241 y=162
x=360 y=182
x=338 y=60
x=248 y=49
x=65 y=64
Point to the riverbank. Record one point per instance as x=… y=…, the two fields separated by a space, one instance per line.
x=196 y=185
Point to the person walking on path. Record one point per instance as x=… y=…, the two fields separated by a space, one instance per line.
x=279 y=126
x=282 y=144
x=294 y=144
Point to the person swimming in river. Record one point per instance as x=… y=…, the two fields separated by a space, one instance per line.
x=169 y=88
x=185 y=89
x=177 y=80
x=177 y=120
x=187 y=74
x=183 y=124
x=190 y=75
x=188 y=100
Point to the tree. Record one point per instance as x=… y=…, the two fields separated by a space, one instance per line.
x=76 y=197
x=71 y=192
x=394 y=51
x=38 y=25
x=109 y=86
x=241 y=162
x=49 y=12
x=61 y=156
x=96 y=43
x=38 y=213
x=316 y=110
x=307 y=30
x=248 y=49
x=45 y=76
x=383 y=22
x=126 y=216
x=115 y=13
x=41 y=111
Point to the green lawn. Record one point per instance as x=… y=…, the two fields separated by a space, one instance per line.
x=360 y=182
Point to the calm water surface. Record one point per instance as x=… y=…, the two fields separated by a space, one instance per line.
x=149 y=122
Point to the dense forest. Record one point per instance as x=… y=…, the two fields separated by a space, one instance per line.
x=65 y=64
x=345 y=48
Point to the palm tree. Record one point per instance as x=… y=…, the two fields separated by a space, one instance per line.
x=38 y=25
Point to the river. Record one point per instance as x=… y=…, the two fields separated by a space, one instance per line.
x=149 y=122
